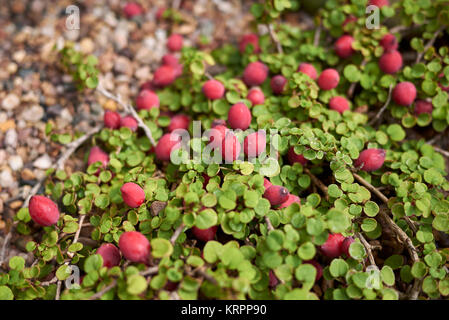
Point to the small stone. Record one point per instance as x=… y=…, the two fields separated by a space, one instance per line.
x=12 y=68
x=9 y=124
x=11 y=138
x=110 y=105
x=33 y=114
x=19 y=56
x=123 y=65
x=27 y=174
x=15 y=162
x=6 y=179
x=43 y=162
x=143 y=73
x=16 y=204
x=87 y=46
x=10 y=101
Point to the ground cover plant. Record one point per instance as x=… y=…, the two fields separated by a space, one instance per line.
x=333 y=182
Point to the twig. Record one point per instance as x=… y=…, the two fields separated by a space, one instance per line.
x=269 y=225
x=150 y=271
x=443 y=152
x=128 y=108
x=429 y=44
x=317 y=182
x=4 y=246
x=368 y=248
x=437 y=137
x=354 y=84
x=100 y=293
x=206 y=276
x=370 y=187
x=49 y=282
x=275 y=38
x=399 y=232
x=70 y=254
x=316 y=37
x=176 y=234
x=384 y=107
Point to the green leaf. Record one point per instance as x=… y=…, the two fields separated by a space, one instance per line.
x=161 y=248
x=6 y=293
x=136 y=284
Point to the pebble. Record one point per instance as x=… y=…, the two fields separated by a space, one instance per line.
x=27 y=174
x=11 y=138
x=43 y=162
x=33 y=114
x=10 y=102
x=6 y=179
x=15 y=162
x=6 y=125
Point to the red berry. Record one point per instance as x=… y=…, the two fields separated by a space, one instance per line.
x=379 y=3
x=213 y=89
x=273 y=280
x=389 y=42
x=146 y=100
x=43 y=211
x=132 y=9
x=318 y=267
x=110 y=254
x=129 y=122
x=332 y=247
x=256 y=96
x=96 y=154
x=170 y=59
x=174 y=42
x=266 y=183
x=166 y=144
x=205 y=234
x=423 y=106
x=254 y=144
x=328 y=79
x=293 y=157
x=290 y=200
x=180 y=121
x=164 y=76
x=111 y=119
x=239 y=116
x=390 y=62
x=339 y=104
x=404 y=93
x=278 y=83
x=343 y=46
x=132 y=194
x=255 y=73
x=216 y=135
x=230 y=147
x=308 y=69
x=346 y=244
x=276 y=195
x=249 y=39
x=134 y=246
x=370 y=159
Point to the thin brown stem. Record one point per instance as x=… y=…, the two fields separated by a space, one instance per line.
x=176 y=234
x=318 y=183
x=429 y=44
x=368 y=248
x=384 y=107
x=128 y=108
x=274 y=38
